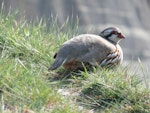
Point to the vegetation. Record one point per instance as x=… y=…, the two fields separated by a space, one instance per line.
x=116 y=91
x=27 y=49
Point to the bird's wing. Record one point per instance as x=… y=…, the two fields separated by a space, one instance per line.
x=96 y=53
x=83 y=48
x=86 y=48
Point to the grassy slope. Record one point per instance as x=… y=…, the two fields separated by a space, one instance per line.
x=26 y=86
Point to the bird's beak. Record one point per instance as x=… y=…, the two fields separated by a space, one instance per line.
x=121 y=35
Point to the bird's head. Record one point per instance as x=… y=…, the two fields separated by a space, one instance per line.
x=112 y=34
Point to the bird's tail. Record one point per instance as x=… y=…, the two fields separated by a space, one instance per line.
x=57 y=63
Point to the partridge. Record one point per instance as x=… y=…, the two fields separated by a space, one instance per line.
x=89 y=49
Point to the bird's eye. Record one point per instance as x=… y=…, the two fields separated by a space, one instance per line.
x=114 y=32
x=119 y=33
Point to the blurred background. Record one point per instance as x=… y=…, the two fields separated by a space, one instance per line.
x=131 y=16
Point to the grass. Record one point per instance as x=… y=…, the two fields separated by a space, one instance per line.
x=27 y=49
x=116 y=91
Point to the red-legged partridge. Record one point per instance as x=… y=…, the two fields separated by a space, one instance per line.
x=90 y=49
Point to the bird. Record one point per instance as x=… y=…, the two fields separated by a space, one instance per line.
x=90 y=50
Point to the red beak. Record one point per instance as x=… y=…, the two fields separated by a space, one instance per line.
x=120 y=35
